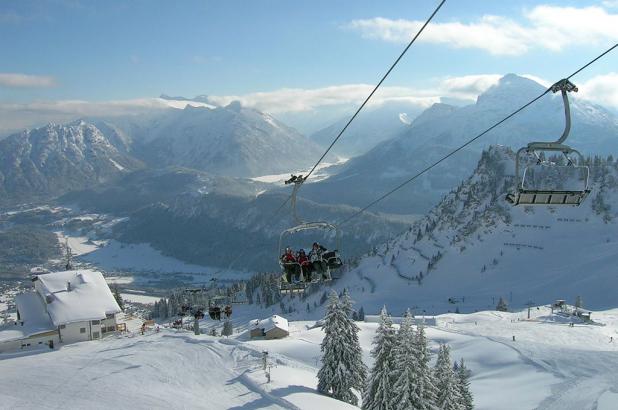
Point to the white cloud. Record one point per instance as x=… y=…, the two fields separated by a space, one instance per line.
x=19 y=116
x=602 y=89
x=468 y=86
x=302 y=99
x=610 y=4
x=25 y=80
x=546 y=27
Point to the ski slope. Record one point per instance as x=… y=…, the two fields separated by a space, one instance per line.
x=540 y=257
x=550 y=366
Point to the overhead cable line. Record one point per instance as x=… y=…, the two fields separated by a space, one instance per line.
x=470 y=141
x=367 y=99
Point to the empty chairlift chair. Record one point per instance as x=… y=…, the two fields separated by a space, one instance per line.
x=547 y=181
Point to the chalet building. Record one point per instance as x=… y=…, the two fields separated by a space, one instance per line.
x=65 y=307
x=275 y=327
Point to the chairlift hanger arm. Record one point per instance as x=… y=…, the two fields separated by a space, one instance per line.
x=564 y=86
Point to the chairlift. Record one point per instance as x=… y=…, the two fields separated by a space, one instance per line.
x=215 y=308
x=547 y=182
x=330 y=258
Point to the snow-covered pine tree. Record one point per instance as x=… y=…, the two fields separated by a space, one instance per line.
x=228 y=329
x=405 y=371
x=342 y=366
x=118 y=298
x=463 y=379
x=357 y=367
x=448 y=397
x=579 y=302
x=502 y=306
x=378 y=394
x=425 y=386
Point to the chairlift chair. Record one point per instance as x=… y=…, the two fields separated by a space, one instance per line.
x=332 y=258
x=525 y=192
x=214 y=307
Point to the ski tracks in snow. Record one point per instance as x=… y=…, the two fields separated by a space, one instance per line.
x=586 y=376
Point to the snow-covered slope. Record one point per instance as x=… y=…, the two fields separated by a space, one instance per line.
x=443 y=127
x=57 y=158
x=474 y=247
x=550 y=366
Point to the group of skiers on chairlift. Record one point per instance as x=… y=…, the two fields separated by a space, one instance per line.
x=299 y=265
x=215 y=312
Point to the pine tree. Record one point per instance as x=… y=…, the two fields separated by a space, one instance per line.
x=118 y=298
x=448 y=397
x=502 y=306
x=463 y=379
x=425 y=387
x=342 y=366
x=228 y=329
x=405 y=372
x=361 y=314
x=378 y=393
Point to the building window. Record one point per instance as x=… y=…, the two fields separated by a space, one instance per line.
x=95 y=335
x=82 y=330
x=96 y=322
x=109 y=316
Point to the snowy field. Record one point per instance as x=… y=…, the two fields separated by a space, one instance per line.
x=139 y=298
x=80 y=245
x=321 y=172
x=550 y=365
x=114 y=255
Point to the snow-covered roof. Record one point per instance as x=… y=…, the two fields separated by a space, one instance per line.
x=33 y=316
x=89 y=297
x=270 y=323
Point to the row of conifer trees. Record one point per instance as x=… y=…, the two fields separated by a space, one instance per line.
x=401 y=377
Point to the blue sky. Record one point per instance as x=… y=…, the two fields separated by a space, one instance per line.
x=60 y=50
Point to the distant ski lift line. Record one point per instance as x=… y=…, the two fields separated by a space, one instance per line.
x=453 y=152
x=366 y=99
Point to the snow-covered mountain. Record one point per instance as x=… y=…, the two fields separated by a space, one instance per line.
x=54 y=159
x=442 y=127
x=231 y=141
x=371 y=127
x=474 y=247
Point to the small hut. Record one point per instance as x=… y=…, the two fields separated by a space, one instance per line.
x=274 y=327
